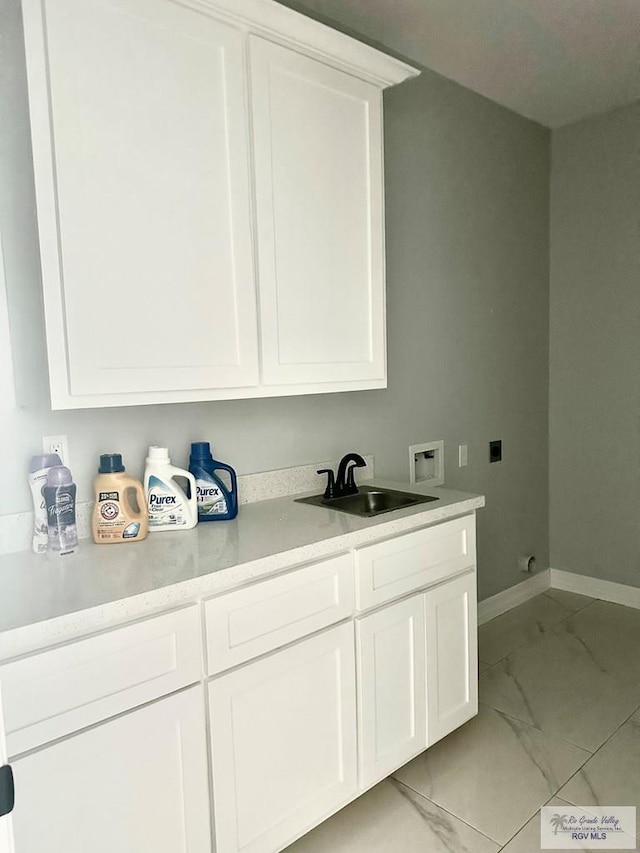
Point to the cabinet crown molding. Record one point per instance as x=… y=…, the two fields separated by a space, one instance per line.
x=293 y=29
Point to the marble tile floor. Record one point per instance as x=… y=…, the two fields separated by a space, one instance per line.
x=559 y=724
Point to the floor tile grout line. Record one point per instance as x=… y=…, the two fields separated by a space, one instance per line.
x=553 y=734
x=591 y=754
x=576 y=772
x=537 y=812
x=542 y=635
x=449 y=812
x=602 y=745
x=583 y=607
x=588 y=753
x=588 y=757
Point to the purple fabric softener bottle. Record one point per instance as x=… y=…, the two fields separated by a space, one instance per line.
x=60 y=499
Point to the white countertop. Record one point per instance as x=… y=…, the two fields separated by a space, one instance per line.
x=48 y=599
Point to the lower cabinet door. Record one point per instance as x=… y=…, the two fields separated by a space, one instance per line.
x=137 y=783
x=392 y=688
x=6 y=836
x=283 y=742
x=452 y=653
x=6 y=829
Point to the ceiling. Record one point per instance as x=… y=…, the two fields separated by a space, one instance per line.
x=553 y=61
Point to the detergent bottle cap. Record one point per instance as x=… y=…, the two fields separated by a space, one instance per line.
x=201 y=450
x=158 y=454
x=111 y=463
x=59 y=475
x=44 y=460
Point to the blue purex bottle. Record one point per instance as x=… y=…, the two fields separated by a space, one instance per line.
x=216 y=500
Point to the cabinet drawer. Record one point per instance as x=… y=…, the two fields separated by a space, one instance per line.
x=61 y=690
x=256 y=619
x=389 y=569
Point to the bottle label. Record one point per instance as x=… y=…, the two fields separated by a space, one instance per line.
x=40 y=520
x=112 y=523
x=164 y=506
x=211 y=499
x=109 y=510
x=62 y=533
x=132 y=530
x=61 y=514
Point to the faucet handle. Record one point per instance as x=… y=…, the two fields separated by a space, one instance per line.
x=329 y=492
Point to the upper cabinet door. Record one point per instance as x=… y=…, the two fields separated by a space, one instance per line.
x=319 y=208
x=140 y=138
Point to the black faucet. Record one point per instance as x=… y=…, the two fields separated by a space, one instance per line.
x=344 y=483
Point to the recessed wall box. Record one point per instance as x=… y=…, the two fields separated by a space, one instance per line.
x=426 y=463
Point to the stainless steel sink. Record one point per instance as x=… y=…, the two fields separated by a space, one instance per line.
x=369 y=501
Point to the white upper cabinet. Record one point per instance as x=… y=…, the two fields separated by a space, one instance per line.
x=318 y=173
x=140 y=151
x=185 y=163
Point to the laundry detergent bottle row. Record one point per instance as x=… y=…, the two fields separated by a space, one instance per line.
x=216 y=484
x=170 y=507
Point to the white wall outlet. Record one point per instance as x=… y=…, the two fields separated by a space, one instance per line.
x=57 y=444
x=426 y=463
x=463 y=455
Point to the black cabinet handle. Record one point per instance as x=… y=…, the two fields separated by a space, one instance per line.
x=7 y=790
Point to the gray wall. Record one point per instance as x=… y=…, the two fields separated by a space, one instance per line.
x=595 y=347
x=467 y=244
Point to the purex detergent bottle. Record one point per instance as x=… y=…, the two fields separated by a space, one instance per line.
x=170 y=507
x=217 y=500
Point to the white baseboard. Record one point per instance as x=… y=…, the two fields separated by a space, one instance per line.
x=512 y=597
x=617 y=593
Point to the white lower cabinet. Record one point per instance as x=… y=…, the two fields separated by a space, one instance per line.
x=6 y=829
x=391 y=688
x=452 y=655
x=136 y=783
x=283 y=742
x=311 y=714
x=417 y=662
x=6 y=839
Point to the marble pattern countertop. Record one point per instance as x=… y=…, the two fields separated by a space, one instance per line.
x=49 y=599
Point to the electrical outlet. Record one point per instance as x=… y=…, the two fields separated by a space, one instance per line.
x=463 y=455
x=57 y=444
x=495 y=451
